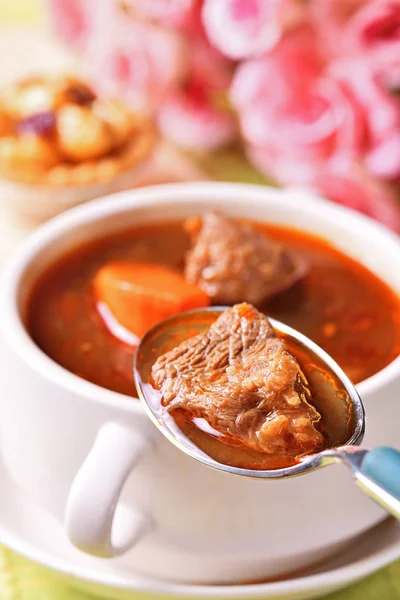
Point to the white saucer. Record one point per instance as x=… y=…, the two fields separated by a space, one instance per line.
x=31 y=532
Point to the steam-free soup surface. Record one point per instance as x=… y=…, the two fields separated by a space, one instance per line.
x=339 y=304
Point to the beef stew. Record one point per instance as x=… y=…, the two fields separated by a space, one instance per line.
x=338 y=303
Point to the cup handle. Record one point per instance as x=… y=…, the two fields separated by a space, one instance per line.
x=93 y=520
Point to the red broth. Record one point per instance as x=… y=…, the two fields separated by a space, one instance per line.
x=340 y=305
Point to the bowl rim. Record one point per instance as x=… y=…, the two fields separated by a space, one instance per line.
x=14 y=332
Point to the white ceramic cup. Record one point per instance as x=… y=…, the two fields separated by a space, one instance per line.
x=134 y=490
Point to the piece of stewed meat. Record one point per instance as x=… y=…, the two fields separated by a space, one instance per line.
x=234 y=262
x=242 y=380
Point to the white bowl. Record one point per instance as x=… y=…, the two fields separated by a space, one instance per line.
x=189 y=523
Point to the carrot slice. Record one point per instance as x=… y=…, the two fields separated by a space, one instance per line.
x=136 y=296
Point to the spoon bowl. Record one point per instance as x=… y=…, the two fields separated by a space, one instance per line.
x=171 y=332
x=377 y=472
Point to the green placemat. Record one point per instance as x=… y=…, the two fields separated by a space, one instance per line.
x=21 y=579
x=230 y=165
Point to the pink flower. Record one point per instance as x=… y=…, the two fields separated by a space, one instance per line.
x=168 y=13
x=137 y=60
x=295 y=119
x=194 y=116
x=70 y=21
x=245 y=28
x=376 y=88
x=194 y=124
x=356 y=189
x=374 y=29
x=330 y=18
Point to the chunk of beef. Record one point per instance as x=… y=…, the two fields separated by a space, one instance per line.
x=240 y=377
x=233 y=262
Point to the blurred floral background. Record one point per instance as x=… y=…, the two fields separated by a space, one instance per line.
x=307 y=90
x=309 y=87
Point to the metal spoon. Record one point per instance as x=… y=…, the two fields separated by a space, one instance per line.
x=376 y=472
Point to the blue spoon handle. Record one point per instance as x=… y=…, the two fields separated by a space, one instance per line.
x=379 y=476
x=382 y=465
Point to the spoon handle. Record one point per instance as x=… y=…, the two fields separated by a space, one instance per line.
x=377 y=473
